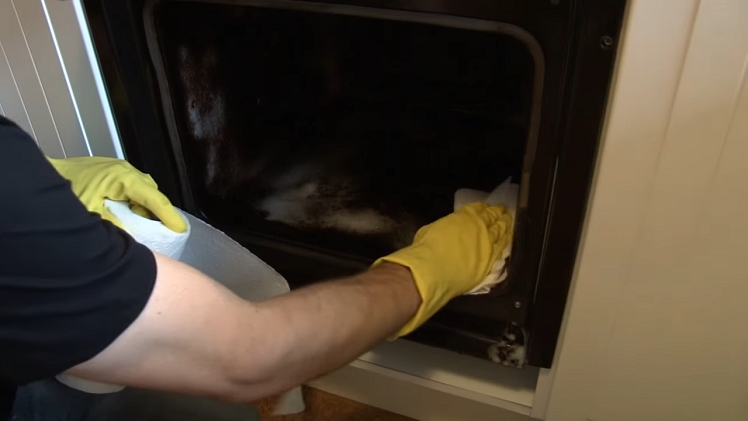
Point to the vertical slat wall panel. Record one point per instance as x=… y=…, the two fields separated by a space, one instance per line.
x=51 y=77
x=70 y=30
x=13 y=107
x=26 y=78
x=50 y=81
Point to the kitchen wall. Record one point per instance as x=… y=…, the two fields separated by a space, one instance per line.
x=657 y=323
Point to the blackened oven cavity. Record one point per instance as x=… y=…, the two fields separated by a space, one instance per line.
x=326 y=123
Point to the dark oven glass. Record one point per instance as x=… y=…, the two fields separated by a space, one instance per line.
x=322 y=135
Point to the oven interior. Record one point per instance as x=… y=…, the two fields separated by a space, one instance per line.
x=342 y=134
x=321 y=134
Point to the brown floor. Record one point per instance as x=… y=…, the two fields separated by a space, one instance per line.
x=321 y=406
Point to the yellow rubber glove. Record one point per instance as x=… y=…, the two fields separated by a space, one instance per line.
x=94 y=179
x=453 y=255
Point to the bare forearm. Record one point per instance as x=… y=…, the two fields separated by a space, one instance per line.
x=317 y=329
x=194 y=336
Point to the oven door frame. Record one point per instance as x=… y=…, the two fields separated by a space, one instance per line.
x=591 y=31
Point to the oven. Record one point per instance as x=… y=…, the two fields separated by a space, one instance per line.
x=321 y=135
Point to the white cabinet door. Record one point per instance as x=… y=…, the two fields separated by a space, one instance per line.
x=656 y=329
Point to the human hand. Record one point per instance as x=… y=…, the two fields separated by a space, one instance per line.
x=453 y=255
x=94 y=179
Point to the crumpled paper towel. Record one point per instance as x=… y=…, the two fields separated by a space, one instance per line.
x=505 y=194
x=206 y=249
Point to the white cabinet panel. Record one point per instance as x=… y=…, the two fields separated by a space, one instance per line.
x=656 y=328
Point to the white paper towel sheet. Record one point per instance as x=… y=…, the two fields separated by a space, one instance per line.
x=223 y=259
x=204 y=248
x=208 y=250
x=505 y=194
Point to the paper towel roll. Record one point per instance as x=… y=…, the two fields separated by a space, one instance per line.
x=204 y=248
x=150 y=233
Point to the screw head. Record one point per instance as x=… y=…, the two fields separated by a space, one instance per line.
x=517 y=304
x=606 y=42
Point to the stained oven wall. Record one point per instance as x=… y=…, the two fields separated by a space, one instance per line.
x=342 y=133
